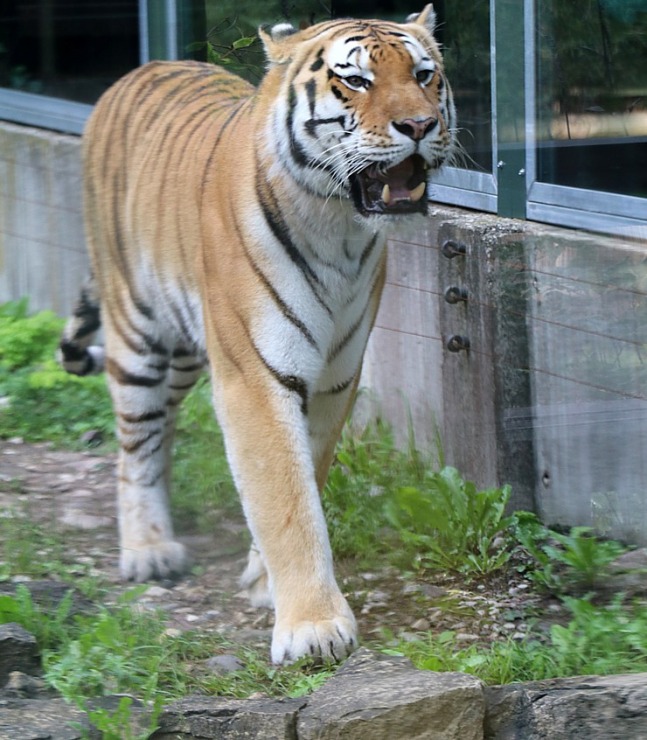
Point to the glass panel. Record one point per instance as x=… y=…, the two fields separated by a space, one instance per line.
x=592 y=94
x=464 y=31
x=70 y=49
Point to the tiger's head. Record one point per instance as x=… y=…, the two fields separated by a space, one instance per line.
x=362 y=109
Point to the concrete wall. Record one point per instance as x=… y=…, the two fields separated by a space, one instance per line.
x=551 y=395
x=42 y=253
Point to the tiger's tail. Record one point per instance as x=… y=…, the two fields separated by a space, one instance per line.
x=76 y=353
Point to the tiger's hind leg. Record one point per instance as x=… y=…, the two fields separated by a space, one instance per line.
x=147 y=380
x=255 y=579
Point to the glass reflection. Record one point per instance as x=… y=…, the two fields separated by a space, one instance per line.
x=592 y=94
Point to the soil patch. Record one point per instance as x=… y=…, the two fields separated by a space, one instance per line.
x=73 y=494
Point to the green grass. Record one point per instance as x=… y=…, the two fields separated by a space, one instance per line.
x=382 y=504
x=32 y=550
x=125 y=649
x=202 y=485
x=43 y=401
x=596 y=639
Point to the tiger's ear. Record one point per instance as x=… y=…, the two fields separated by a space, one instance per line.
x=278 y=42
x=426 y=18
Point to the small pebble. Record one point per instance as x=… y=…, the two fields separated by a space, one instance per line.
x=421 y=625
x=221 y=665
x=156 y=592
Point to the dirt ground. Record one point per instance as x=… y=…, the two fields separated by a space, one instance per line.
x=73 y=493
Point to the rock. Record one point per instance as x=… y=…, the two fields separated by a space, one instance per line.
x=72 y=517
x=49 y=594
x=217 y=717
x=421 y=625
x=157 y=592
x=378 y=696
x=37 y=719
x=56 y=719
x=18 y=651
x=20 y=685
x=221 y=665
x=627 y=573
x=589 y=707
x=92 y=438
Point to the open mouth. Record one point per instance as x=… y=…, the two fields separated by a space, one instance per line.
x=400 y=189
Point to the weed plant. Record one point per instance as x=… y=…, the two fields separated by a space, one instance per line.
x=565 y=563
x=202 y=485
x=367 y=468
x=451 y=525
x=49 y=559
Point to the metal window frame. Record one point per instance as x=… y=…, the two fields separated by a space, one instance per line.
x=43 y=111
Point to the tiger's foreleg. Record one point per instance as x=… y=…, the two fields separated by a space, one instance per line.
x=270 y=454
x=327 y=414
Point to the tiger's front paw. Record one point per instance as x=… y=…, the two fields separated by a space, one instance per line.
x=327 y=640
x=152 y=561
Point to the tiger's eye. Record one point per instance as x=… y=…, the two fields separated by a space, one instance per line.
x=356 y=81
x=423 y=76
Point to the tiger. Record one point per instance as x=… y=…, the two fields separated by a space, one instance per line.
x=242 y=230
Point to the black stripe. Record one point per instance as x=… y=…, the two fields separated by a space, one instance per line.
x=72 y=352
x=291 y=382
x=339 y=388
x=336 y=350
x=188 y=368
x=318 y=62
x=185 y=387
x=89 y=326
x=282 y=306
x=181 y=352
x=147 y=416
x=123 y=377
x=299 y=155
x=368 y=249
x=311 y=92
x=280 y=230
x=131 y=447
x=151 y=345
x=162 y=366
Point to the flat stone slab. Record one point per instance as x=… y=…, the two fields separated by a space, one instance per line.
x=587 y=707
x=41 y=719
x=379 y=696
x=218 y=717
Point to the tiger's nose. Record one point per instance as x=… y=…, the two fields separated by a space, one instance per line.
x=415 y=129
